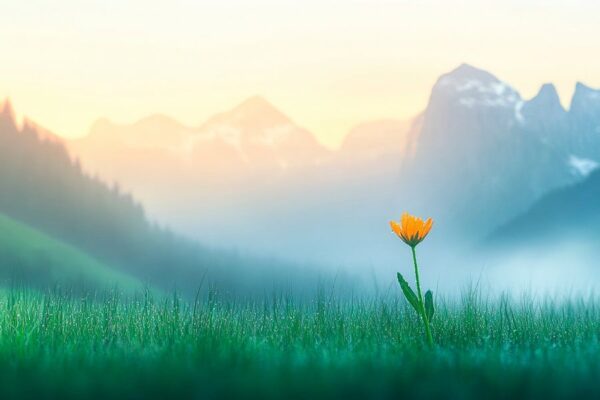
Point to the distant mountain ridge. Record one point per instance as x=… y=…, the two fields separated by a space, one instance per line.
x=478 y=155
x=256 y=131
x=252 y=134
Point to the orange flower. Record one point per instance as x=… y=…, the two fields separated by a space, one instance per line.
x=411 y=230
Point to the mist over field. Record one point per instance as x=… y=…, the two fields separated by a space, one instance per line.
x=508 y=189
x=511 y=184
x=253 y=180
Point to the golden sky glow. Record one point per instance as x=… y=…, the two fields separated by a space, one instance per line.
x=327 y=64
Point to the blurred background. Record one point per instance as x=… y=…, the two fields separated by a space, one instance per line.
x=256 y=145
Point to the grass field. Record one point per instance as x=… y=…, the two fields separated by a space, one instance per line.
x=52 y=345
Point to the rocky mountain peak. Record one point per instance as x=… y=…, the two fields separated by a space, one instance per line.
x=585 y=99
x=471 y=87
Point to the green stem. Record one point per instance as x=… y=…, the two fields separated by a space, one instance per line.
x=421 y=302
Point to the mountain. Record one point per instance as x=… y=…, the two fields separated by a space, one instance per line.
x=261 y=135
x=43 y=188
x=545 y=106
x=584 y=119
x=93 y=225
x=478 y=155
x=128 y=154
x=563 y=215
x=252 y=138
x=227 y=165
x=553 y=244
x=485 y=154
x=155 y=131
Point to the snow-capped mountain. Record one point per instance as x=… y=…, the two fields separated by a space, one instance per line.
x=469 y=113
x=260 y=135
x=572 y=212
x=485 y=154
x=471 y=87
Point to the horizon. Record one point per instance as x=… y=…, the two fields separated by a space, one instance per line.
x=72 y=65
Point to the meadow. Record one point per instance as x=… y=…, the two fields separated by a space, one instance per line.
x=109 y=345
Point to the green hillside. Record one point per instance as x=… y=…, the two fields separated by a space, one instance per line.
x=27 y=255
x=568 y=213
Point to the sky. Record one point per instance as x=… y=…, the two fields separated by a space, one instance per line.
x=329 y=65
